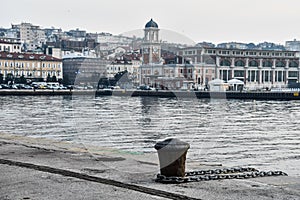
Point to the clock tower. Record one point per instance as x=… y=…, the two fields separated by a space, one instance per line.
x=151 y=48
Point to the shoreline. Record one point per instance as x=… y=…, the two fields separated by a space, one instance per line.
x=253 y=95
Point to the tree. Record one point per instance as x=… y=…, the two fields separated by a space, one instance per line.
x=49 y=79
x=1 y=78
x=22 y=80
x=54 y=79
x=9 y=78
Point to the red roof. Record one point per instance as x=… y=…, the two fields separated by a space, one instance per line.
x=27 y=56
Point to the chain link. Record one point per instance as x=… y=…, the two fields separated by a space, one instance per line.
x=218 y=174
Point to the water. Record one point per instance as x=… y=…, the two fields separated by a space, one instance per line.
x=262 y=134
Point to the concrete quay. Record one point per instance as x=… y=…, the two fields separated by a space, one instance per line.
x=251 y=95
x=35 y=168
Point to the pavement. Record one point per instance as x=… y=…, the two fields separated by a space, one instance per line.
x=37 y=168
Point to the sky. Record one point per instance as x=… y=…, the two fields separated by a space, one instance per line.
x=213 y=21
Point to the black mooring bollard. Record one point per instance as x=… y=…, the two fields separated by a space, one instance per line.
x=172 y=155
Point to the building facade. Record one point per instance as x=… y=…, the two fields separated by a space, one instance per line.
x=130 y=62
x=33 y=36
x=293 y=45
x=256 y=68
x=151 y=47
x=157 y=72
x=31 y=66
x=10 y=45
x=83 y=70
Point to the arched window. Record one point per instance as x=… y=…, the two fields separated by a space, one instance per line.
x=293 y=64
x=239 y=63
x=210 y=61
x=253 y=63
x=225 y=62
x=267 y=63
x=280 y=64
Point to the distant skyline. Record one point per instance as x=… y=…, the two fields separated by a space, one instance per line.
x=213 y=21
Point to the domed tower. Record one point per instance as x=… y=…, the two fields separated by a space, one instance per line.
x=151 y=48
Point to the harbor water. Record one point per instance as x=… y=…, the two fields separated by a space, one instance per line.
x=262 y=134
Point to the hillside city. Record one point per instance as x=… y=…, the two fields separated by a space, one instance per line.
x=30 y=53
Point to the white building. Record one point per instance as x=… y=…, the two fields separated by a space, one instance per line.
x=292 y=45
x=130 y=63
x=10 y=45
x=256 y=68
x=33 y=36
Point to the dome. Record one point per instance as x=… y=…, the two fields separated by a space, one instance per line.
x=151 y=24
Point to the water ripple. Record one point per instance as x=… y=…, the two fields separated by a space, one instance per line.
x=233 y=132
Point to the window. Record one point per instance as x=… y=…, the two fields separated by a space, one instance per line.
x=267 y=63
x=240 y=63
x=280 y=64
x=278 y=76
x=253 y=63
x=239 y=73
x=293 y=74
x=293 y=64
x=225 y=62
x=266 y=76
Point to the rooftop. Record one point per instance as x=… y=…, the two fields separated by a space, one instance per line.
x=151 y=24
x=26 y=56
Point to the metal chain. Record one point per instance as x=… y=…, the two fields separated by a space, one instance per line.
x=218 y=174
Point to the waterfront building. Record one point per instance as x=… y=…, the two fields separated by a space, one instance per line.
x=31 y=66
x=157 y=72
x=256 y=68
x=82 y=70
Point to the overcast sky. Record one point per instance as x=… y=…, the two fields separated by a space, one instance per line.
x=201 y=20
